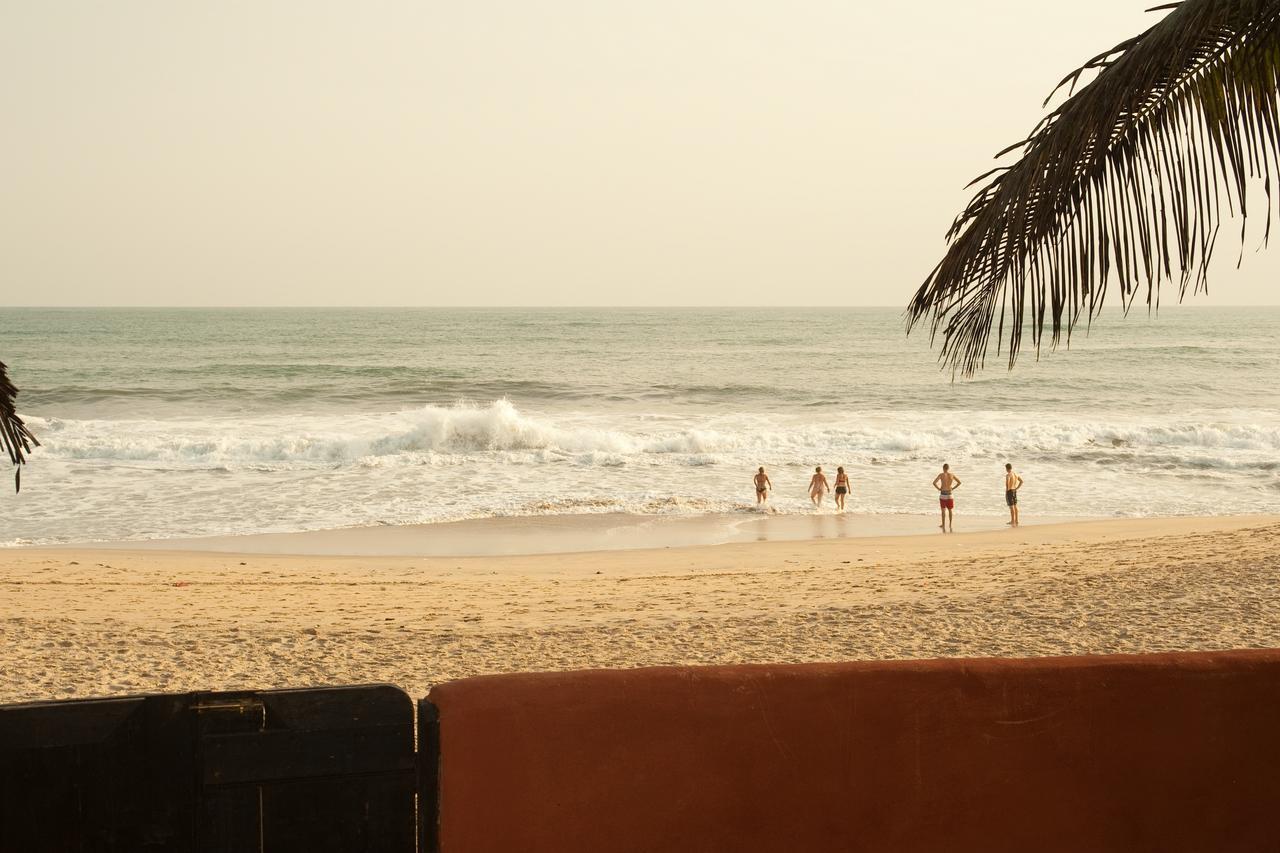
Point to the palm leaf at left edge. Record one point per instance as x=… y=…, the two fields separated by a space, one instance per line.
x=15 y=439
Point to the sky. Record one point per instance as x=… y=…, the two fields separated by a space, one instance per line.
x=601 y=152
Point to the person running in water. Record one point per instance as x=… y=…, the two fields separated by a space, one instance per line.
x=818 y=486
x=842 y=487
x=946 y=483
x=1012 y=482
x=763 y=486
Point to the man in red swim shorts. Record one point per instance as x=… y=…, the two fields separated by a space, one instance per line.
x=945 y=483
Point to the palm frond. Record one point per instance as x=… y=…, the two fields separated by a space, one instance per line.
x=1128 y=181
x=15 y=438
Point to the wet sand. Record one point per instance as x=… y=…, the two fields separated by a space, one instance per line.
x=560 y=534
x=91 y=621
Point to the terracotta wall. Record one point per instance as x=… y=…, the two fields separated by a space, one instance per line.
x=1161 y=752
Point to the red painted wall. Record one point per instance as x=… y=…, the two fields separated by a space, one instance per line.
x=1133 y=753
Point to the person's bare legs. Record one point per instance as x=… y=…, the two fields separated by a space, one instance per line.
x=943 y=525
x=1015 y=515
x=951 y=517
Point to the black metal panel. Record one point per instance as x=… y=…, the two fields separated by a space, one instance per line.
x=307 y=770
x=428 y=777
x=107 y=775
x=331 y=770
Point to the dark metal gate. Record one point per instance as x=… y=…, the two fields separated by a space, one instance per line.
x=330 y=769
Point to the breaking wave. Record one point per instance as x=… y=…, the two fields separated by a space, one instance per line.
x=433 y=435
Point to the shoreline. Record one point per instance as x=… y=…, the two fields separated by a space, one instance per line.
x=749 y=554
x=566 y=534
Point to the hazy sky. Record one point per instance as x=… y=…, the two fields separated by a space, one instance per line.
x=404 y=152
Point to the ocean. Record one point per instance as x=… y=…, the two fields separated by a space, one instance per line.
x=161 y=423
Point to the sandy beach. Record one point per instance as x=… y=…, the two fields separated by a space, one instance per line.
x=88 y=622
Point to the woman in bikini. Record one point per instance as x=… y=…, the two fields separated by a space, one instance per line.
x=763 y=485
x=818 y=486
x=842 y=487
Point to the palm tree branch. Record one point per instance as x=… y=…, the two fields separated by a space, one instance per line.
x=15 y=439
x=1122 y=183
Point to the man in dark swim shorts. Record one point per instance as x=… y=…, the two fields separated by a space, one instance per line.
x=1012 y=482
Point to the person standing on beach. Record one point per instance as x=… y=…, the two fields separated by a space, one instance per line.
x=763 y=486
x=842 y=487
x=946 y=483
x=1012 y=482
x=818 y=486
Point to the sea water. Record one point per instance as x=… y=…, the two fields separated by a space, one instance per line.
x=158 y=423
